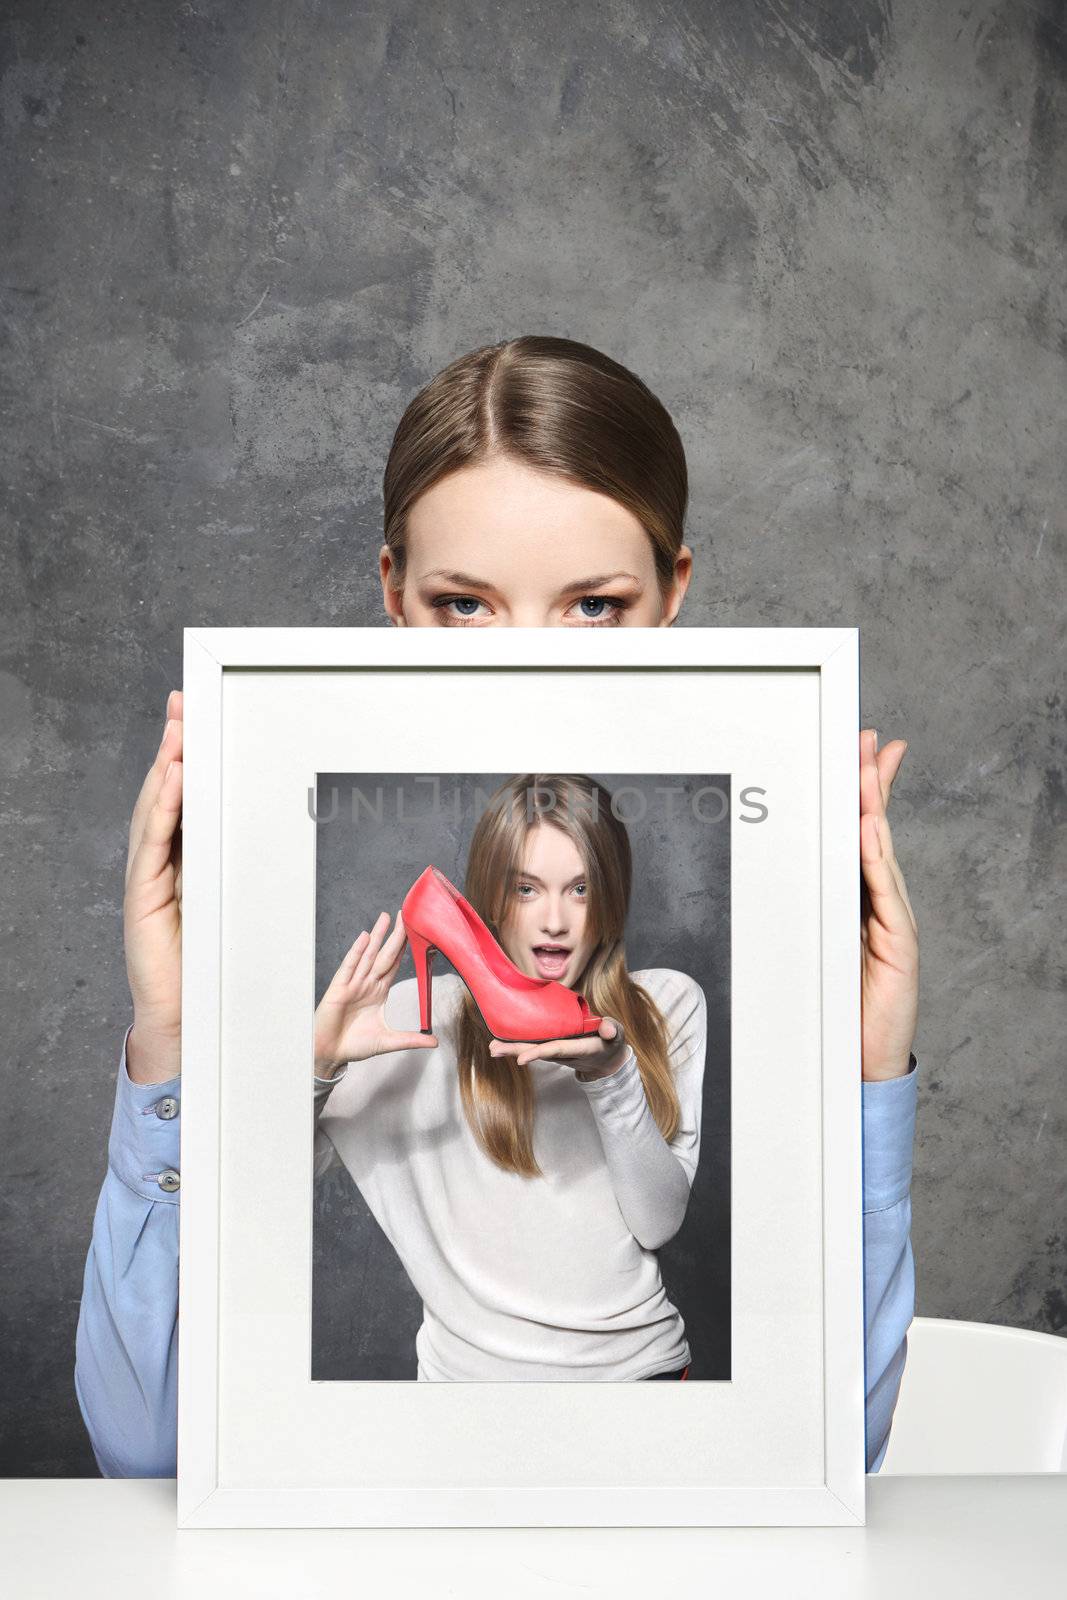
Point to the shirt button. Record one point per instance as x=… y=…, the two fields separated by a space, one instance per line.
x=167 y=1107
x=169 y=1180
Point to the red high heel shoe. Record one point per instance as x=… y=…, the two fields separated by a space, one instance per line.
x=514 y=1006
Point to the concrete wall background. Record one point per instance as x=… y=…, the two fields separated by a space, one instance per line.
x=237 y=238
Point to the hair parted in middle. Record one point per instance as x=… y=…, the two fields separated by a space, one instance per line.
x=558 y=406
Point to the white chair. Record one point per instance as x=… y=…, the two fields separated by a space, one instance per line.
x=979 y=1398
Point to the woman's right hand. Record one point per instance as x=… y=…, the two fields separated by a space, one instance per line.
x=350 y=1018
x=152 y=911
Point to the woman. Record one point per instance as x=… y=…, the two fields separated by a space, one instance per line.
x=526 y=482
x=564 y=1282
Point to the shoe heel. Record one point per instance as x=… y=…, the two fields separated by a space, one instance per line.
x=422 y=953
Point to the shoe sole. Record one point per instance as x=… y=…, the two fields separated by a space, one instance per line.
x=432 y=949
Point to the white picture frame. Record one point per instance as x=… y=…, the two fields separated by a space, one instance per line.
x=259 y=1443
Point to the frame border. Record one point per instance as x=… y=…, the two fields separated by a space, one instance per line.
x=202 y=1502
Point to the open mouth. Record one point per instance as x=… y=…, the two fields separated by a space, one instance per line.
x=551 y=959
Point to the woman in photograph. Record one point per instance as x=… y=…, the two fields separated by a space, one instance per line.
x=539 y=483
x=530 y=1266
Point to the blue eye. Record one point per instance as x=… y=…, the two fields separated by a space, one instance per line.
x=466 y=612
x=461 y=608
x=603 y=617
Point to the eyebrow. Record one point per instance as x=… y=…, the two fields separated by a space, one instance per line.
x=467 y=580
x=576 y=879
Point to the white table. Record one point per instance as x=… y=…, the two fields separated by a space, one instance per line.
x=76 y=1539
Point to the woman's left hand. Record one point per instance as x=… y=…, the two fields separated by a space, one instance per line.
x=594 y=1056
x=889 y=939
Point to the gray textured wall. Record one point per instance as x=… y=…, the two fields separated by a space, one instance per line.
x=365 y=1313
x=237 y=237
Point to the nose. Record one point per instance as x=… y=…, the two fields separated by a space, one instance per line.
x=530 y=616
x=554 y=922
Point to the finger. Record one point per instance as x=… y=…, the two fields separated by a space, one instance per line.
x=609 y=1031
x=885 y=832
x=871 y=798
x=548 y=1049
x=878 y=768
x=889 y=760
x=895 y=867
x=146 y=799
x=886 y=762
x=351 y=958
x=411 y=1041
x=374 y=943
x=885 y=837
x=392 y=950
x=170 y=749
x=153 y=854
x=522 y=1050
x=887 y=902
x=509 y=1047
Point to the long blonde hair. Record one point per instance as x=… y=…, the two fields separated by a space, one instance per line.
x=497 y=1093
x=559 y=406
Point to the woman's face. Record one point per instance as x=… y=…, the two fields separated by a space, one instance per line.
x=547 y=906
x=501 y=545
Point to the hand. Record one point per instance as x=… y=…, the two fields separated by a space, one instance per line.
x=597 y=1055
x=889 y=940
x=350 y=1018
x=152 y=911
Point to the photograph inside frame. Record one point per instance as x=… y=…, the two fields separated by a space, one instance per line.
x=521 y=1077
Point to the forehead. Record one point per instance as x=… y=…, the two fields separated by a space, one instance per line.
x=548 y=850
x=511 y=526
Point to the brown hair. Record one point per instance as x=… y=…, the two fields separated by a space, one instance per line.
x=557 y=405
x=498 y=1093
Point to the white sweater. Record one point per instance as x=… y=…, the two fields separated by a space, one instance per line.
x=551 y=1278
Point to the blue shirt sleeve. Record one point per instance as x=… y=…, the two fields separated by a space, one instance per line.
x=888 y=1264
x=126 y=1344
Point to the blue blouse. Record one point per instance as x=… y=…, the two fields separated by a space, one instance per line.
x=126 y=1345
